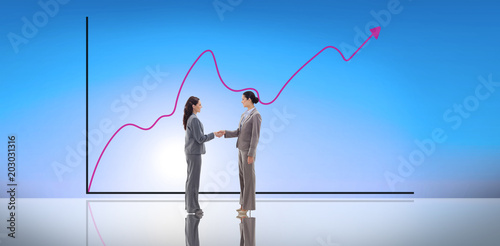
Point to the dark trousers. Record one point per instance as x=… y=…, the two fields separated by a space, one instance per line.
x=192 y=182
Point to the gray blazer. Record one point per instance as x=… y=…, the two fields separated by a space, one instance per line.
x=195 y=138
x=248 y=133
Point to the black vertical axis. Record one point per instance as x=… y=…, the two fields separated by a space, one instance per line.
x=87 y=105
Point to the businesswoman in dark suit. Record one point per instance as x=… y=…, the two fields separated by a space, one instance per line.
x=248 y=133
x=194 y=148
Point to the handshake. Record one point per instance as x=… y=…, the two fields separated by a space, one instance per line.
x=220 y=133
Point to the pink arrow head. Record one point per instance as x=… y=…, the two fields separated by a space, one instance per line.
x=375 y=32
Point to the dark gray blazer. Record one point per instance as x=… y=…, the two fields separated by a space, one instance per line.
x=195 y=138
x=248 y=134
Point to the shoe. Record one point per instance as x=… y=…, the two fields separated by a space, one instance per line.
x=241 y=216
x=239 y=209
x=198 y=211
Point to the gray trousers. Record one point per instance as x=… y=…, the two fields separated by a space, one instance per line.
x=192 y=182
x=247 y=181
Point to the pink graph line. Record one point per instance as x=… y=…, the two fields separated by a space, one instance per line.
x=90 y=209
x=375 y=32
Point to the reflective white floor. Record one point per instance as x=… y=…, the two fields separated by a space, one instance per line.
x=275 y=222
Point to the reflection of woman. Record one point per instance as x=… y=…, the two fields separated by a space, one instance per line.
x=248 y=133
x=191 y=229
x=247 y=231
x=194 y=148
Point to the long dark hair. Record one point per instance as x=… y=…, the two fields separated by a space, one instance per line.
x=251 y=95
x=188 y=109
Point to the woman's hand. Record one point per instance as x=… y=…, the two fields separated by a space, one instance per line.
x=250 y=159
x=220 y=133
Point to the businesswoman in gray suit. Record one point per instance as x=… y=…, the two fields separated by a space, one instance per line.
x=248 y=133
x=194 y=148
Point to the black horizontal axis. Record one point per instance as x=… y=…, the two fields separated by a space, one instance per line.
x=265 y=192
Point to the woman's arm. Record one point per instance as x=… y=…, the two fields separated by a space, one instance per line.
x=254 y=140
x=232 y=134
x=197 y=131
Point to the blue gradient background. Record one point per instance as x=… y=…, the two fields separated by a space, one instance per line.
x=352 y=121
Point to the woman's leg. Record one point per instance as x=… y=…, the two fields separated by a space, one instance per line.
x=248 y=191
x=192 y=182
x=242 y=183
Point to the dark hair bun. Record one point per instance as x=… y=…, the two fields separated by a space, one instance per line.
x=255 y=100
x=251 y=95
